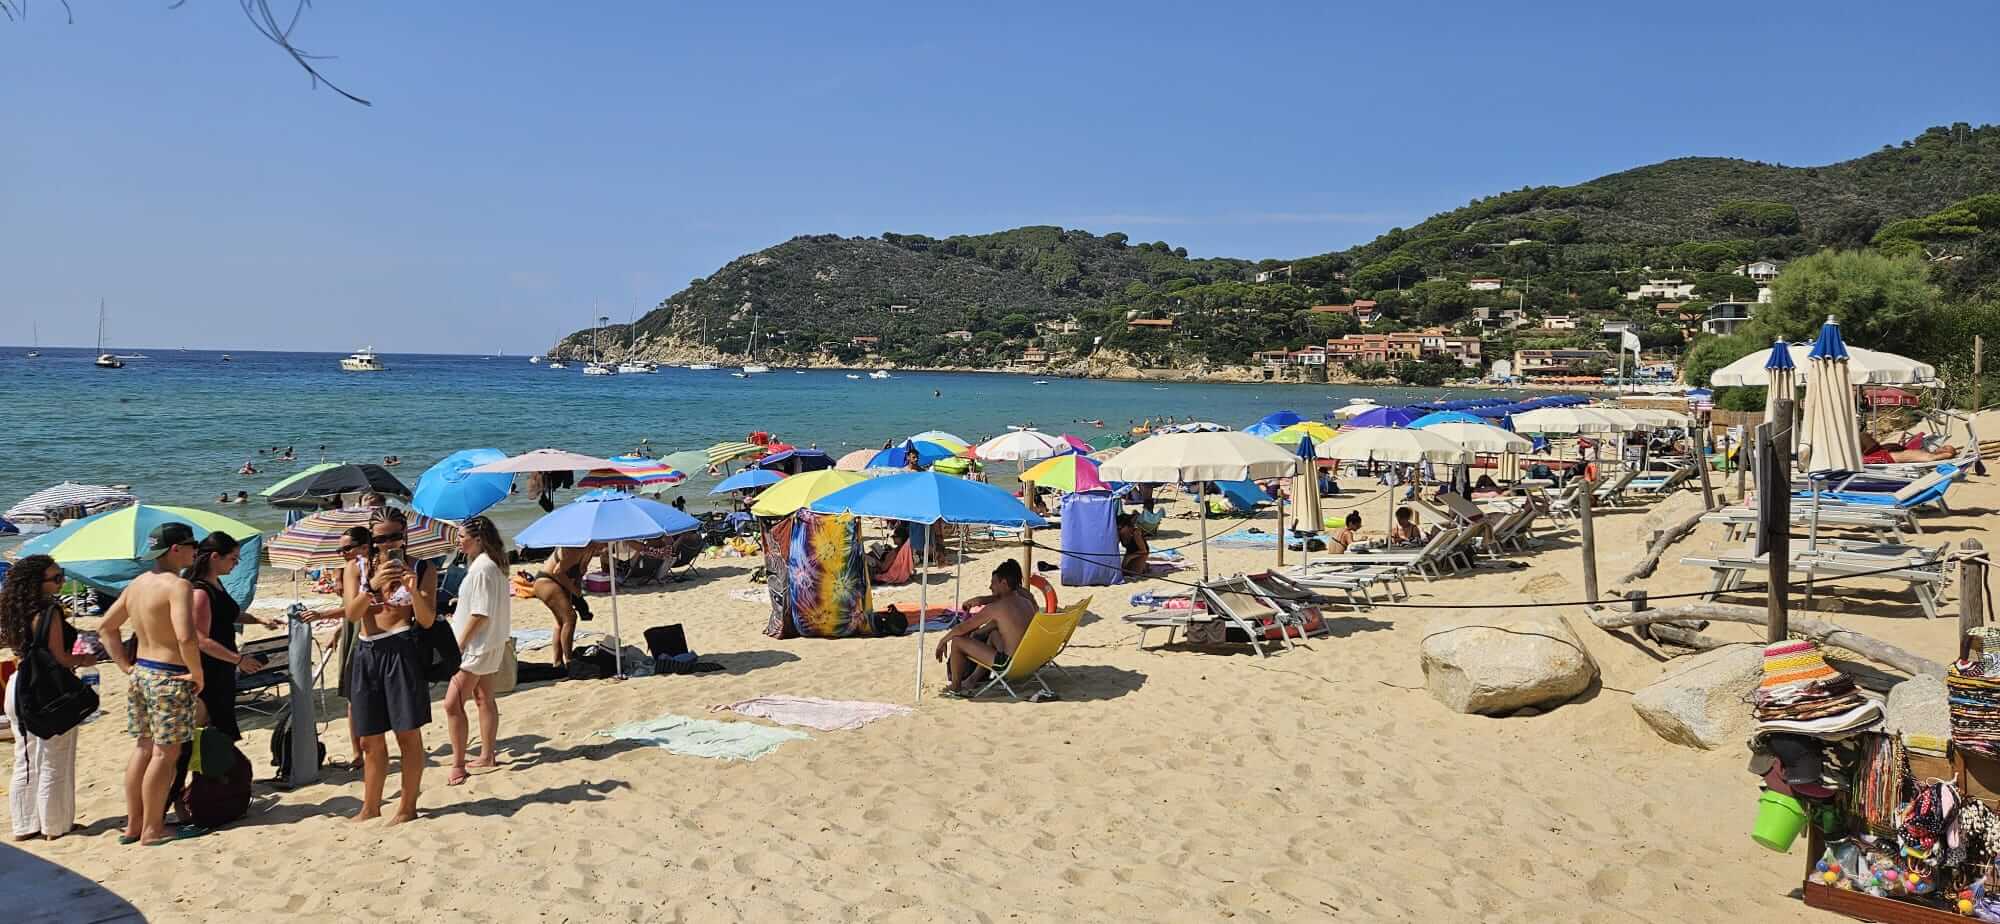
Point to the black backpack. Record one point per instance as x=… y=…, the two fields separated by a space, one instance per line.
x=281 y=744
x=888 y=623
x=48 y=699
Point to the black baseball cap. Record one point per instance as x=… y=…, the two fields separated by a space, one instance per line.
x=165 y=536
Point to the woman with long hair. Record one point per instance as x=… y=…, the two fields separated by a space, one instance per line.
x=482 y=623
x=216 y=615
x=388 y=595
x=42 y=794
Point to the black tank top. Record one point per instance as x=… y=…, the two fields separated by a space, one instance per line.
x=219 y=687
x=223 y=614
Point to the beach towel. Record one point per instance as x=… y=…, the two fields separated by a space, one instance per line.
x=900 y=569
x=813 y=712
x=828 y=580
x=705 y=737
x=778 y=579
x=1245 y=539
x=1090 y=553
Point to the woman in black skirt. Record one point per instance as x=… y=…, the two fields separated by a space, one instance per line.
x=389 y=597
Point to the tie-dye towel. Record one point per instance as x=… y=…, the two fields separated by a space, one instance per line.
x=828 y=577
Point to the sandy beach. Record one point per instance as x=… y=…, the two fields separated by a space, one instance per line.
x=1166 y=784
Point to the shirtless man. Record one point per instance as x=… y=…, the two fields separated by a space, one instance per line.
x=990 y=635
x=559 y=585
x=165 y=677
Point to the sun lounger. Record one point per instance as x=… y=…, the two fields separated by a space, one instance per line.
x=1355 y=582
x=1660 y=484
x=1047 y=636
x=1298 y=596
x=1930 y=489
x=1428 y=561
x=1612 y=492
x=1235 y=603
x=1922 y=569
x=1887 y=523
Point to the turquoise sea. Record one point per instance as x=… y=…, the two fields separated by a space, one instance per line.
x=176 y=425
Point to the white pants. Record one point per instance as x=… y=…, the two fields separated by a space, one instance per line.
x=42 y=795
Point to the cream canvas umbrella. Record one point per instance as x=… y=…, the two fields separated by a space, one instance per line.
x=1355 y=408
x=1781 y=378
x=1864 y=367
x=545 y=460
x=1394 y=444
x=1306 y=515
x=1020 y=446
x=1563 y=421
x=1226 y=455
x=1832 y=429
x=1480 y=437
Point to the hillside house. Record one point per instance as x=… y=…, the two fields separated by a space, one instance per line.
x=1760 y=272
x=1558 y=322
x=867 y=343
x=1725 y=317
x=1678 y=290
x=1034 y=356
x=963 y=336
x=902 y=309
x=1504 y=318
x=1362 y=310
x=1159 y=324
x=1485 y=283
x=1531 y=364
x=1273 y=275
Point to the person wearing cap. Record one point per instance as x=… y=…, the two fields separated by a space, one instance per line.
x=165 y=678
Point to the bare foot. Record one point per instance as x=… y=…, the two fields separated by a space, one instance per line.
x=458 y=775
x=485 y=763
x=366 y=815
x=399 y=818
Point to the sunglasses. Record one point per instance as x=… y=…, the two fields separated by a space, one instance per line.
x=55 y=578
x=388 y=537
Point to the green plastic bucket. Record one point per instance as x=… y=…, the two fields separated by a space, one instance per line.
x=1780 y=818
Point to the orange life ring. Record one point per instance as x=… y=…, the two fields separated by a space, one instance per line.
x=1048 y=593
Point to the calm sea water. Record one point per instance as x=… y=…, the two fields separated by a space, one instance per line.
x=177 y=425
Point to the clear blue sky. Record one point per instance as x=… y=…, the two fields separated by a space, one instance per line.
x=526 y=161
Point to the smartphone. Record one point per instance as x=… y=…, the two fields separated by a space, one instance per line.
x=397 y=556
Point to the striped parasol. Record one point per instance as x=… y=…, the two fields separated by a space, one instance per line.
x=314 y=542
x=45 y=505
x=729 y=452
x=634 y=473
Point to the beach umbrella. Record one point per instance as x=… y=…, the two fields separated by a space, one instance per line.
x=103 y=549
x=1261 y=429
x=731 y=451
x=1354 y=409
x=1864 y=367
x=1888 y=396
x=8 y=529
x=1626 y=420
x=1068 y=474
x=1382 y=417
x=1393 y=444
x=319 y=483
x=633 y=473
x=1277 y=420
x=687 y=460
x=542 y=460
x=793 y=461
x=1306 y=515
x=449 y=490
x=799 y=490
x=314 y=542
x=940 y=437
x=1479 y=437
x=1453 y=416
x=606 y=516
x=1291 y=435
x=892 y=457
x=1200 y=458
x=928 y=498
x=1781 y=379
x=1563 y=420
x=1076 y=444
x=855 y=461
x=747 y=479
x=1657 y=419
x=1831 y=429
x=1020 y=446
x=45 y=505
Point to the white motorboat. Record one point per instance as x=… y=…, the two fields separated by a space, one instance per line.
x=853 y=376
x=702 y=367
x=636 y=367
x=362 y=360
x=739 y=375
x=227 y=358
x=597 y=368
x=558 y=364
x=755 y=368
x=879 y=374
x=534 y=360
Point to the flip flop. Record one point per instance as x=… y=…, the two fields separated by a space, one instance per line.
x=127 y=840
x=182 y=833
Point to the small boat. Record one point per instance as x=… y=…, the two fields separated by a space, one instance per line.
x=558 y=364
x=739 y=375
x=1041 y=381
x=702 y=367
x=636 y=367
x=227 y=358
x=879 y=374
x=750 y=365
x=108 y=361
x=798 y=372
x=104 y=360
x=853 y=376
x=362 y=360
x=35 y=349
x=534 y=360
x=597 y=368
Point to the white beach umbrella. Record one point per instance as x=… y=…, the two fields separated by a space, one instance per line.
x=1623 y=417
x=1564 y=420
x=1020 y=446
x=1832 y=430
x=1394 y=444
x=1353 y=410
x=44 y=505
x=1657 y=419
x=1200 y=458
x=1480 y=437
x=545 y=460
x=1864 y=367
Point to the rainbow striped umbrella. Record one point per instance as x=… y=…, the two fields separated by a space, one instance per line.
x=314 y=542
x=633 y=473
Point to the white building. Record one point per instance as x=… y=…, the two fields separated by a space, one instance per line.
x=1559 y=322
x=1663 y=290
x=1760 y=271
x=1484 y=283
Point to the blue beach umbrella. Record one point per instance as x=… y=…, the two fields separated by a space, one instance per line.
x=796 y=461
x=606 y=515
x=928 y=453
x=1279 y=419
x=928 y=498
x=447 y=491
x=1261 y=428
x=1382 y=417
x=1439 y=417
x=102 y=550
x=8 y=529
x=747 y=479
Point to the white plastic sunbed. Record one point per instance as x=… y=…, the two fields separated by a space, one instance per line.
x=1921 y=569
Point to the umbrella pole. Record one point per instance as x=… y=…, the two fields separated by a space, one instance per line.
x=1201 y=500
x=923 y=606
x=617 y=637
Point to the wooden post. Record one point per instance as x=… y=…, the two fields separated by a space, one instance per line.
x=1774 y=495
x=1588 y=539
x=1971 y=590
x=1701 y=465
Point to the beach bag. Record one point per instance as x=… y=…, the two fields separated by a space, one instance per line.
x=437 y=650
x=218 y=791
x=281 y=744
x=888 y=623
x=48 y=699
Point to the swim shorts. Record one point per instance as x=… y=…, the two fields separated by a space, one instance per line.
x=159 y=707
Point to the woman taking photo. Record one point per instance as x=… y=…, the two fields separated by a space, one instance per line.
x=42 y=794
x=388 y=596
x=482 y=623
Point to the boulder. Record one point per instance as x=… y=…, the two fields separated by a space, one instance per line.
x=1918 y=706
x=1498 y=666
x=1702 y=701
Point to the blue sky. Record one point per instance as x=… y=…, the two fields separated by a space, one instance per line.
x=524 y=162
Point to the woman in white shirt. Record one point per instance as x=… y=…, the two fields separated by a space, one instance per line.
x=482 y=624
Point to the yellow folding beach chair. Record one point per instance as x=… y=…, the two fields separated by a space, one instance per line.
x=1048 y=634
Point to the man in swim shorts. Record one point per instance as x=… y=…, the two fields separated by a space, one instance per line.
x=1004 y=617
x=165 y=676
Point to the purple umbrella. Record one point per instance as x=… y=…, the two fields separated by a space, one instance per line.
x=1382 y=417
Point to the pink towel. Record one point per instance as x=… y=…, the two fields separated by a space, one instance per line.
x=812 y=712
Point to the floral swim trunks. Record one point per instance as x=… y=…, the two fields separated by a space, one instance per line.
x=159 y=707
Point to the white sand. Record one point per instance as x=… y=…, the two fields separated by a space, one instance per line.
x=1166 y=785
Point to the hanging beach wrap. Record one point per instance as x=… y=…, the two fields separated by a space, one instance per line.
x=829 y=580
x=778 y=577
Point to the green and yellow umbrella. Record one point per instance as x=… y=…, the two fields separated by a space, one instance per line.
x=103 y=550
x=799 y=490
x=1067 y=474
x=1291 y=435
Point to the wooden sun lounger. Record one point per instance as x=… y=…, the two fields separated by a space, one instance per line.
x=1923 y=572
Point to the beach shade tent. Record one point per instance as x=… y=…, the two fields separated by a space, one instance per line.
x=48 y=504
x=1020 y=446
x=1780 y=377
x=542 y=460
x=928 y=454
x=1864 y=367
x=606 y=516
x=1888 y=396
x=450 y=490
x=855 y=461
x=952 y=441
x=1382 y=417
x=1068 y=474
x=102 y=550
x=786 y=496
x=1306 y=514
x=1291 y=435
x=1448 y=416
x=1353 y=410
x=796 y=461
x=1563 y=420
x=1091 y=556
x=322 y=482
x=748 y=479
x=1832 y=430
x=723 y=453
x=926 y=499
x=687 y=460
x=1479 y=436
x=314 y=542
x=1200 y=458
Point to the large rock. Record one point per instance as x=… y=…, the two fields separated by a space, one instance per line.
x=1496 y=666
x=1918 y=706
x=1702 y=701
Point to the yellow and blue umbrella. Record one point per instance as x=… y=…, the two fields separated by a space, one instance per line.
x=103 y=550
x=1308 y=429
x=799 y=490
